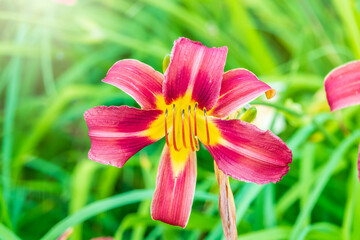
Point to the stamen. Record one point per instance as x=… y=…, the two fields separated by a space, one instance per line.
x=190 y=131
x=166 y=131
x=174 y=138
x=207 y=127
x=183 y=128
x=195 y=130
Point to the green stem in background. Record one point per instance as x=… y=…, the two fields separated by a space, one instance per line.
x=304 y=132
x=356 y=221
x=46 y=59
x=321 y=183
x=95 y=208
x=80 y=190
x=345 y=9
x=107 y=204
x=332 y=139
x=306 y=169
x=279 y=107
x=11 y=100
x=4 y=76
x=328 y=230
x=149 y=182
x=348 y=218
x=246 y=32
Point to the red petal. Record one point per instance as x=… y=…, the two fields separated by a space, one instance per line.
x=342 y=86
x=174 y=191
x=196 y=69
x=117 y=133
x=249 y=154
x=138 y=80
x=238 y=87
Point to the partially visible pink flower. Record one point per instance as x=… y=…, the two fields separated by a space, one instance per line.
x=67 y=2
x=342 y=86
x=190 y=103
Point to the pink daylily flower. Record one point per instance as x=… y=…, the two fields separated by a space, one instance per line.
x=342 y=86
x=188 y=104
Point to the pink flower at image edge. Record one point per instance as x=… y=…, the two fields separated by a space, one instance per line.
x=188 y=104
x=342 y=86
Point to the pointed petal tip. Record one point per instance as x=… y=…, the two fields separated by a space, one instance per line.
x=270 y=93
x=238 y=87
x=170 y=222
x=92 y=156
x=117 y=133
x=260 y=182
x=249 y=154
x=174 y=194
x=137 y=79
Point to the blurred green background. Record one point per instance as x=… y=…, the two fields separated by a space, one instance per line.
x=52 y=60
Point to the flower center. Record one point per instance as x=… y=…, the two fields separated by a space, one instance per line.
x=187 y=132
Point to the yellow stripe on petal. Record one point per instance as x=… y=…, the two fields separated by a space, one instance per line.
x=178 y=159
x=214 y=133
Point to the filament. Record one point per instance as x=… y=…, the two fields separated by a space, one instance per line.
x=193 y=136
x=190 y=132
x=183 y=128
x=207 y=127
x=166 y=132
x=195 y=130
x=174 y=138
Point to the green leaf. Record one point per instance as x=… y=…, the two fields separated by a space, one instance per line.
x=6 y=234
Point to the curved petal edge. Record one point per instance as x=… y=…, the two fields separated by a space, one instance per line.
x=249 y=154
x=238 y=87
x=174 y=193
x=196 y=71
x=138 y=80
x=342 y=86
x=117 y=133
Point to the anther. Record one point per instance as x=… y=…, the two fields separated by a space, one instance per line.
x=174 y=138
x=166 y=132
x=195 y=130
x=207 y=127
x=183 y=128
x=190 y=131
x=270 y=93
